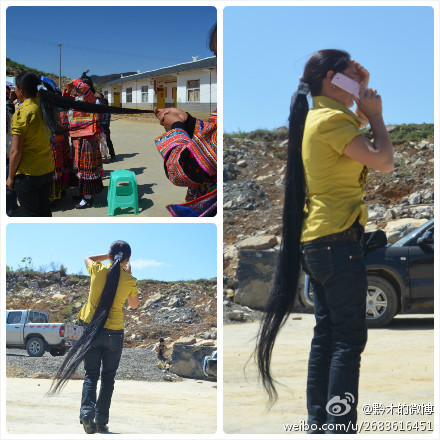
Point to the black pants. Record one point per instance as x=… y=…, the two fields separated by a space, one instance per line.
x=33 y=194
x=106 y=351
x=339 y=279
x=109 y=141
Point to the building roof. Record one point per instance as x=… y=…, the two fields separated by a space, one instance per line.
x=192 y=65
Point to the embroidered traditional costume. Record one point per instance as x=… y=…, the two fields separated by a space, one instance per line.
x=190 y=155
x=84 y=129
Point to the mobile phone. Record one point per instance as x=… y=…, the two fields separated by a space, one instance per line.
x=347 y=84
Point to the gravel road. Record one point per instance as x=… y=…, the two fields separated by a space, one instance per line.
x=136 y=364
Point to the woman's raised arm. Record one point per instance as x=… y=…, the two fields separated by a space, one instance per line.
x=92 y=258
x=379 y=153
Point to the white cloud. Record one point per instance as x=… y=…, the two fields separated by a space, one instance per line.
x=140 y=264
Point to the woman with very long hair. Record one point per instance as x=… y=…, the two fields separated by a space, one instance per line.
x=102 y=341
x=30 y=161
x=323 y=223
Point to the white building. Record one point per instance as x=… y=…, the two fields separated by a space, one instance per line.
x=189 y=86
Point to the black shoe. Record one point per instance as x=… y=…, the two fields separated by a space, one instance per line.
x=77 y=198
x=88 y=425
x=88 y=203
x=102 y=428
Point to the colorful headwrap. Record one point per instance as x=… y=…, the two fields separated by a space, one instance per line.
x=51 y=82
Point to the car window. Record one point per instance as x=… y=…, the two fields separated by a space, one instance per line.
x=43 y=318
x=411 y=238
x=14 y=318
x=37 y=318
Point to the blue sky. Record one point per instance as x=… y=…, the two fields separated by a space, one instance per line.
x=265 y=50
x=166 y=252
x=107 y=39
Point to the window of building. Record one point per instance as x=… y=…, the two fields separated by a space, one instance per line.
x=129 y=94
x=106 y=94
x=144 y=94
x=193 y=88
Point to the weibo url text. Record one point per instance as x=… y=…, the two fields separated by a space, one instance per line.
x=364 y=426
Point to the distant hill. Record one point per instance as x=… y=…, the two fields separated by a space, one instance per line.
x=13 y=69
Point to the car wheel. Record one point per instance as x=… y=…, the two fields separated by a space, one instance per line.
x=382 y=301
x=35 y=347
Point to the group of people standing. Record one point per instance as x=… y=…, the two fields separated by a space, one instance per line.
x=51 y=147
x=58 y=139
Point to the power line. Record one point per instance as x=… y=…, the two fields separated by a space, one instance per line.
x=95 y=50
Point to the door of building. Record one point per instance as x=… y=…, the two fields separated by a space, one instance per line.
x=117 y=99
x=160 y=96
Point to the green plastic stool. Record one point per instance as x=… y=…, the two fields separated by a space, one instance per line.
x=125 y=196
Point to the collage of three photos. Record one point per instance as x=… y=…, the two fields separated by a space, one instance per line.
x=304 y=304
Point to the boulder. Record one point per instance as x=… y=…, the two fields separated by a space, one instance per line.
x=175 y=301
x=155 y=298
x=187 y=360
x=236 y=315
x=185 y=341
x=33 y=285
x=255 y=274
x=415 y=198
x=258 y=243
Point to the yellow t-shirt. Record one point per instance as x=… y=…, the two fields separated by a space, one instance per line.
x=126 y=287
x=335 y=183
x=36 y=159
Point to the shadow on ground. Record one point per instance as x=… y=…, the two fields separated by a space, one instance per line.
x=409 y=323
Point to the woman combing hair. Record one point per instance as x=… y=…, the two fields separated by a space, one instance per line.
x=323 y=223
x=102 y=341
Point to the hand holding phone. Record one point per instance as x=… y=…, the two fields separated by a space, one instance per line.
x=347 y=84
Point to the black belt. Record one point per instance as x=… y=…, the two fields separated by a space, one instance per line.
x=353 y=235
x=107 y=330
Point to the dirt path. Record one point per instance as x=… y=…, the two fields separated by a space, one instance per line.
x=135 y=150
x=187 y=407
x=397 y=368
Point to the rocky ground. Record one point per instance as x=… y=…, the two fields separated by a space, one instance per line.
x=136 y=364
x=254 y=171
x=171 y=310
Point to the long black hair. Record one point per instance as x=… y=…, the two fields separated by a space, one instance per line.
x=50 y=102
x=283 y=293
x=119 y=251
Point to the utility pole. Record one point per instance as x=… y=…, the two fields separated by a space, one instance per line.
x=59 y=45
